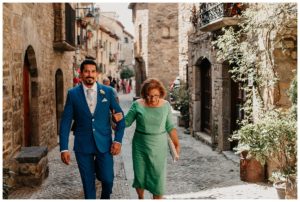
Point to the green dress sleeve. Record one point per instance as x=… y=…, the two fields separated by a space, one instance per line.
x=169 y=121
x=131 y=115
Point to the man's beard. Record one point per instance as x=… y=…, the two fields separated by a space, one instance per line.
x=89 y=81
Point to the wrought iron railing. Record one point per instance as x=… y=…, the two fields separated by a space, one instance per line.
x=210 y=12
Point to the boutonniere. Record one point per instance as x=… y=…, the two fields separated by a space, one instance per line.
x=102 y=92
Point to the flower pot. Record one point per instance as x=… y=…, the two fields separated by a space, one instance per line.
x=280 y=188
x=291 y=187
x=250 y=169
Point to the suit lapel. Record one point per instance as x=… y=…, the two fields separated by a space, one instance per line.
x=99 y=98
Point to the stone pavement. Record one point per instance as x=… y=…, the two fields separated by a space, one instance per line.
x=201 y=173
x=64 y=181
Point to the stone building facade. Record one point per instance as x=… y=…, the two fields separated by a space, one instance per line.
x=38 y=53
x=99 y=38
x=216 y=99
x=156 y=41
x=184 y=29
x=107 y=57
x=127 y=49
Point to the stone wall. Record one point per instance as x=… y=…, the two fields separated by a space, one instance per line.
x=283 y=54
x=163 y=46
x=141 y=35
x=127 y=50
x=30 y=26
x=184 y=28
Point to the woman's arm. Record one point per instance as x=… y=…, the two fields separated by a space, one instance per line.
x=174 y=137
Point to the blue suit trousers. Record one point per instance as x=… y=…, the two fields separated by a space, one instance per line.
x=96 y=165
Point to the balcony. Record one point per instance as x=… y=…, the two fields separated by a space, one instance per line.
x=213 y=16
x=64 y=27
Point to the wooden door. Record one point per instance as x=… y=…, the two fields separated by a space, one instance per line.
x=26 y=103
x=59 y=92
x=237 y=99
x=206 y=99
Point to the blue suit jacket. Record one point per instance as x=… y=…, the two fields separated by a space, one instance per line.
x=92 y=131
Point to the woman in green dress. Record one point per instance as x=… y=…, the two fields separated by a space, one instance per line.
x=153 y=118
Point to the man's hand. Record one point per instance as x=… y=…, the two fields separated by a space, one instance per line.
x=115 y=148
x=66 y=157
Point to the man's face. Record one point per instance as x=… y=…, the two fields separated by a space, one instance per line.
x=89 y=75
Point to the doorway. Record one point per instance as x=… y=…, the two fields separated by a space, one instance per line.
x=59 y=96
x=26 y=102
x=30 y=100
x=205 y=77
x=237 y=100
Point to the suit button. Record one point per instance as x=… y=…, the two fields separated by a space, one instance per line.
x=93 y=119
x=93 y=129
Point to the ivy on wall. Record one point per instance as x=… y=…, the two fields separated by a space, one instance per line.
x=247 y=48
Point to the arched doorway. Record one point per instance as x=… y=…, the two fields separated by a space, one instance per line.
x=59 y=95
x=30 y=100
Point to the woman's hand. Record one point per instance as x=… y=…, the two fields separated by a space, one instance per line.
x=117 y=116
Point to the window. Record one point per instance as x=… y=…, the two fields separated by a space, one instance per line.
x=70 y=24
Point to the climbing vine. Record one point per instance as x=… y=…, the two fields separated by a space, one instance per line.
x=248 y=49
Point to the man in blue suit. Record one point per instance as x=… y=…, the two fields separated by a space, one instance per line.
x=90 y=105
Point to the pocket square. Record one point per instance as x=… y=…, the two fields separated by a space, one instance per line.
x=104 y=100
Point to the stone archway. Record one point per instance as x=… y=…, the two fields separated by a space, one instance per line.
x=30 y=99
x=59 y=97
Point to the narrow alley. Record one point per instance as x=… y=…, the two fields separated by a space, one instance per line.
x=230 y=77
x=199 y=174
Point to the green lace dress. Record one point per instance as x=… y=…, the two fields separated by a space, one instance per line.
x=149 y=145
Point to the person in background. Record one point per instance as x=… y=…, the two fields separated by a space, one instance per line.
x=123 y=85
x=106 y=82
x=128 y=87
x=112 y=84
x=118 y=85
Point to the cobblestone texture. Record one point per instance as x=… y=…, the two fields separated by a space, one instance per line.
x=199 y=174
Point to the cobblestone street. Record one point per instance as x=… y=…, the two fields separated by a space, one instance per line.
x=199 y=174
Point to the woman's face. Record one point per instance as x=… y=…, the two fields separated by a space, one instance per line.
x=152 y=97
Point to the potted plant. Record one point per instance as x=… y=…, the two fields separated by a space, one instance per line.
x=273 y=136
x=181 y=103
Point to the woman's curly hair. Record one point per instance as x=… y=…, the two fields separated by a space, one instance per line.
x=150 y=84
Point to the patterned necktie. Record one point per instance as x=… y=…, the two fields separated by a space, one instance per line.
x=90 y=98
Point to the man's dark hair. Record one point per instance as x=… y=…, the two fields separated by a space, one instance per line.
x=87 y=62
